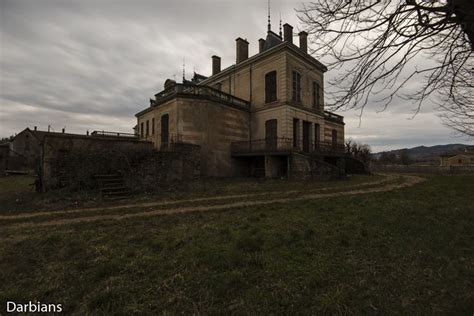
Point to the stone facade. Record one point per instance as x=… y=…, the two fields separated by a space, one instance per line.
x=462 y=159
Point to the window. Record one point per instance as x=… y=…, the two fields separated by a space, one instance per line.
x=153 y=126
x=334 y=137
x=270 y=87
x=316 y=95
x=271 y=134
x=142 y=130
x=295 y=132
x=147 y=128
x=296 y=87
x=317 y=135
x=165 y=130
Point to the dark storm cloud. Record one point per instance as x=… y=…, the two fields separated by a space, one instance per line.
x=93 y=64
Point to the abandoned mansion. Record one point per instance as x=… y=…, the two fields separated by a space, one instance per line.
x=262 y=116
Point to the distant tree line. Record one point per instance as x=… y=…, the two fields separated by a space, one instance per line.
x=5 y=140
x=390 y=158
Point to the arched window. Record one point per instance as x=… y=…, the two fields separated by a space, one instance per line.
x=270 y=87
x=296 y=87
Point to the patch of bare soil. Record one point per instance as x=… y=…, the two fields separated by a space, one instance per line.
x=387 y=178
x=408 y=180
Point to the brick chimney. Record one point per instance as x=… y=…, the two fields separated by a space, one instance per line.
x=216 y=65
x=288 y=33
x=303 y=41
x=261 y=43
x=242 y=48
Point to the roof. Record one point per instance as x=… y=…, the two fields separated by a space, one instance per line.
x=454 y=154
x=275 y=44
x=41 y=134
x=271 y=41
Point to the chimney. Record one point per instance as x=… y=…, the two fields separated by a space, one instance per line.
x=216 y=65
x=261 y=43
x=87 y=133
x=288 y=33
x=64 y=130
x=303 y=41
x=242 y=47
x=36 y=128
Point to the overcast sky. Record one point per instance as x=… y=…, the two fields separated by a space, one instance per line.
x=91 y=65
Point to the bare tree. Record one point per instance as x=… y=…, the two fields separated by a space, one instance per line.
x=357 y=150
x=373 y=45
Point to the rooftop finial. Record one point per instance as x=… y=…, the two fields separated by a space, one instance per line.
x=280 y=24
x=184 y=69
x=269 y=24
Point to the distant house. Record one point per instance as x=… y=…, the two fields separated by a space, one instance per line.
x=465 y=158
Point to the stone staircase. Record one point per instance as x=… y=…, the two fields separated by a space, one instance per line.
x=112 y=186
x=307 y=167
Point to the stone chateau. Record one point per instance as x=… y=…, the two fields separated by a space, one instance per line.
x=262 y=116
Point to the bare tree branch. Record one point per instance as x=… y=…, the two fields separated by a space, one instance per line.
x=373 y=44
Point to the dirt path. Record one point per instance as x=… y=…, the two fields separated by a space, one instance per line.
x=386 y=178
x=408 y=181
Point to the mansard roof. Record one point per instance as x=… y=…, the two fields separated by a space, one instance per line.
x=271 y=41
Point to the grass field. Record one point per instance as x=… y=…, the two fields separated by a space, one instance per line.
x=408 y=251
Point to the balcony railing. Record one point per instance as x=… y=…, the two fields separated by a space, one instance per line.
x=186 y=90
x=285 y=145
x=333 y=117
x=113 y=134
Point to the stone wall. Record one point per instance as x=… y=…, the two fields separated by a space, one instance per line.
x=303 y=167
x=4 y=152
x=181 y=162
x=72 y=161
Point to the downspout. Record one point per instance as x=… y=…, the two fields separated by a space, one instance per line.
x=250 y=105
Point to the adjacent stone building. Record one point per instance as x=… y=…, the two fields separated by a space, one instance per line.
x=465 y=158
x=264 y=115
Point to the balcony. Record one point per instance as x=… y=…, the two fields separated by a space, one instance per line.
x=284 y=146
x=201 y=92
x=333 y=117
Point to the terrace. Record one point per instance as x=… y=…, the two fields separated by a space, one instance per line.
x=202 y=92
x=284 y=146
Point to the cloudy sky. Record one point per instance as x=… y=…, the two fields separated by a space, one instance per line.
x=91 y=65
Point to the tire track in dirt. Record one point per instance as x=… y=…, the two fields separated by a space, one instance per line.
x=409 y=181
x=26 y=215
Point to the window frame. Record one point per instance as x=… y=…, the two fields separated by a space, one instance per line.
x=296 y=86
x=271 y=87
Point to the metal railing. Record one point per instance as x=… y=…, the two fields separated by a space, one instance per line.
x=285 y=145
x=173 y=139
x=113 y=134
x=199 y=91
x=333 y=117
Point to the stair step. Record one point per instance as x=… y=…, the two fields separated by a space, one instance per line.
x=108 y=176
x=117 y=189
x=123 y=193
